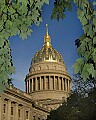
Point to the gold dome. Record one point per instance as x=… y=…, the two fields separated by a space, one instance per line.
x=47 y=53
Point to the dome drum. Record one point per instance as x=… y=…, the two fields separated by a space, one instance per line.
x=49 y=66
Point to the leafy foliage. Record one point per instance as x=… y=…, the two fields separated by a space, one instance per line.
x=76 y=108
x=16 y=17
x=59 y=9
x=86 y=64
x=81 y=105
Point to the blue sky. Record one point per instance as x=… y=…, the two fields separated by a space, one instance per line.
x=63 y=34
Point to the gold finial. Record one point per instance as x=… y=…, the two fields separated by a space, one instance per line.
x=47 y=37
x=46 y=29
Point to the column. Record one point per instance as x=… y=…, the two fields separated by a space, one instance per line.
x=26 y=86
x=29 y=86
x=59 y=83
x=32 y=84
x=23 y=117
x=45 y=82
x=9 y=110
x=16 y=111
x=54 y=83
x=62 y=83
x=36 y=84
x=68 y=85
x=51 y=82
x=40 y=83
x=1 y=108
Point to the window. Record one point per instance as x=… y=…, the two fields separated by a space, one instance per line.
x=27 y=116
x=4 y=109
x=19 y=114
x=11 y=110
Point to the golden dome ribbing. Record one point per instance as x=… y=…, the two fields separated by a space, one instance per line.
x=47 y=53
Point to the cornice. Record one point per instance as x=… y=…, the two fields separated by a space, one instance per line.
x=11 y=91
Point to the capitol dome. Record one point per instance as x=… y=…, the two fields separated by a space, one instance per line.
x=47 y=53
x=48 y=80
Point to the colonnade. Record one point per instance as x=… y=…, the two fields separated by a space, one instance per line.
x=47 y=83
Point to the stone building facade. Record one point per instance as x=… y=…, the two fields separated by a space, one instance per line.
x=48 y=84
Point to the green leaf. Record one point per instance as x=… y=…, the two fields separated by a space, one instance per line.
x=94 y=58
x=84 y=21
x=94 y=74
x=46 y=1
x=29 y=32
x=1 y=42
x=94 y=21
x=85 y=28
x=84 y=74
x=11 y=70
x=11 y=10
x=80 y=13
x=94 y=40
x=80 y=61
x=90 y=68
x=23 y=35
x=76 y=68
x=78 y=65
